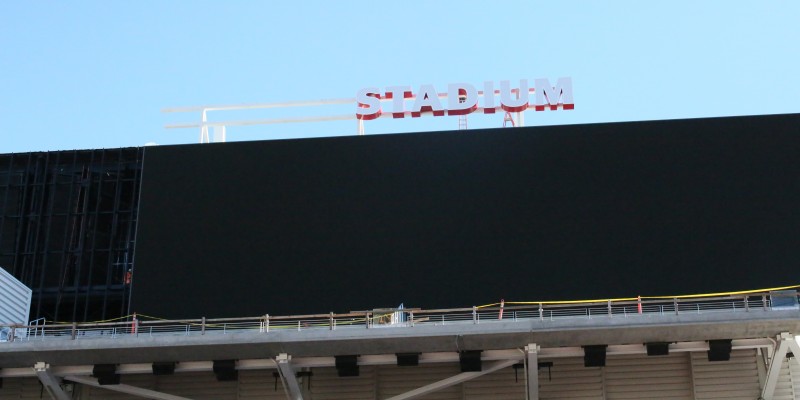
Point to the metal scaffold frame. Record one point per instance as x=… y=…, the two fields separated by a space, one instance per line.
x=67 y=226
x=219 y=128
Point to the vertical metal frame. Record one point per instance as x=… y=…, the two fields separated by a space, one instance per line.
x=74 y=275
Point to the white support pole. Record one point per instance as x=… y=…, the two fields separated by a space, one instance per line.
x=786 y=342
x=453 y=380
x=49 y=381
x=532 y=363
x=136 y=391
x=204 y=128
x=219 y=134
x=288 y=376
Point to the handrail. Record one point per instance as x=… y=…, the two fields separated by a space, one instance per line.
x=381 y=318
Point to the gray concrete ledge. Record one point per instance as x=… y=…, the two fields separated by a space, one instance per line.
x=487 y=335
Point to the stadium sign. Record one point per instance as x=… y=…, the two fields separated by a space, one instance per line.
x=462 y=98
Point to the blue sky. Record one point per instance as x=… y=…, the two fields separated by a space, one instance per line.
x=96 y=74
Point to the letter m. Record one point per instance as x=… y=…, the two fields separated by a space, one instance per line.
x=548 y=95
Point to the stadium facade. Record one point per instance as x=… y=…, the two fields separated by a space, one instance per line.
x=273 y=269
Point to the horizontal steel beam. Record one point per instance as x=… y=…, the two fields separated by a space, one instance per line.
x=235 y=107
x=389 y=359
x=50 y=382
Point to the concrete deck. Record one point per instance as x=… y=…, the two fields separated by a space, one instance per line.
x=487 y=335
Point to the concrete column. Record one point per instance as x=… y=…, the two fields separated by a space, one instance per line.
x=532 y=351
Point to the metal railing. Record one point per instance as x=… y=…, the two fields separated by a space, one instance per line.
x=544 y=312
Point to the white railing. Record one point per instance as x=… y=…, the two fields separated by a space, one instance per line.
x=600 y=311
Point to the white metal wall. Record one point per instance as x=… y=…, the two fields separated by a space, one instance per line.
x=327 y=385
x=642 y=377
x=194 y=385
x=500 y=385
x=261 y=385
x=794 y=373
x=394 y=380
x=142 y=381
x=736 y=379
x=15 y=299
x=21 y=388
x=677 y=376
x=784 y=389
x=571 y=380
x=197 y=386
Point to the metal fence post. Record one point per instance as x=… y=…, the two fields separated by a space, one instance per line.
x=411 y=314
x=74 y=330
x=609 y=308
x=474 y=315
x=764 y=301
x=366 y=319
x=13 y=333
x=675 y=304
x=541 y=312
x=330 y=320
x=266 y=317
x=203 y=326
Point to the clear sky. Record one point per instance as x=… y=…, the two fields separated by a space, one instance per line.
x=95 y=74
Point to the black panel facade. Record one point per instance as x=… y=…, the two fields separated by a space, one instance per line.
x=455 y=219
x=67 y=228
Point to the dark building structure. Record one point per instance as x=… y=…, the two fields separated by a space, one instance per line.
x=67 y=228
x=457 y=219
x=432 y=220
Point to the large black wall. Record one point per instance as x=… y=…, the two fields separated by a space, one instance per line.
x=453 y=219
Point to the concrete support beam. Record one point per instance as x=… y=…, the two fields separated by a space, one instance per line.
x=388 y=359
x=50 y=382
x=786 y=342
x=453 y=380
x=532 y=363
x=133 y=390
x=288 y=376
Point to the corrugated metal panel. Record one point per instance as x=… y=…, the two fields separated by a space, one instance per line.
x=95 y=393
x=260 y=385
x=394 y=380
x=643 y=377
x=736 y=379
x=197 y=386
x=11 y=389
x=31 y=389
x=784 y=389
x=21 y=389
x=794 y=371
x=499 y=385
x=327 y=385
x=15 y=299
x=571 y=380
